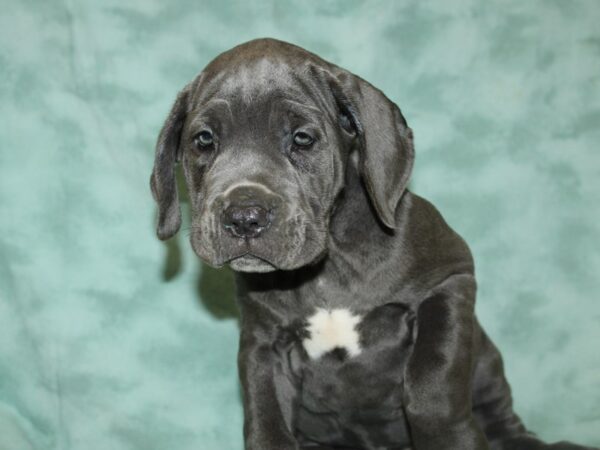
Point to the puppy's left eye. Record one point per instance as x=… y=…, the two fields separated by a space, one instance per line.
x=203 y=139
x=302 y=139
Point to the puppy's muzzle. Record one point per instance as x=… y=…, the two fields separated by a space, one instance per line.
x=249 y=211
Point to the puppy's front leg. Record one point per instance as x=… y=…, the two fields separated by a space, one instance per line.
x=267 y=394
x=438 y=374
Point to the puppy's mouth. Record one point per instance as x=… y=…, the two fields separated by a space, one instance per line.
x=251 y=263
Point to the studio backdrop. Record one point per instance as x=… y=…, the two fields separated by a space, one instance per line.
x=111 y=339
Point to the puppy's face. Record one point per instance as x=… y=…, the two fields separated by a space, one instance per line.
x=263 y=159
x=264 y=134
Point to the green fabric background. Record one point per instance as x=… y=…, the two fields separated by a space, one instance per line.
x=110 y=339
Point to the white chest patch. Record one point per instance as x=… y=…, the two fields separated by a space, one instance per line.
x=331 y=329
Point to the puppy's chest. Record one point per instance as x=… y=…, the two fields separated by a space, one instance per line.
x=347 y=367
x=334 y=338
x=327 y=330
x=343 y=318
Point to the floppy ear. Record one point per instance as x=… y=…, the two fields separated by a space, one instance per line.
x=162 y=180
x=387 y=152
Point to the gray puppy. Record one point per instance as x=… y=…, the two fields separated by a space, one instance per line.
x=357 y=299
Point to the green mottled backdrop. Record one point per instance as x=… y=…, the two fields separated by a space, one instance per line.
x=112 y=340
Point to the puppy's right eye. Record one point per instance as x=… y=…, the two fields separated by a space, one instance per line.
x=346 y=123
x=302 y=139
x=203 y=140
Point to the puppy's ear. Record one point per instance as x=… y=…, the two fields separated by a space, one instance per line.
x=162 y=180
x=387 y=152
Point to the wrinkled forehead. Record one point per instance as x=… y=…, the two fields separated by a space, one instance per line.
x=264 y=81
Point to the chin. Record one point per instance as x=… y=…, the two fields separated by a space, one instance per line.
x=252 y=264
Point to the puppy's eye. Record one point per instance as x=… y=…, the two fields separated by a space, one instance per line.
x=203 y=139
x=346 y=124
x=302 y=139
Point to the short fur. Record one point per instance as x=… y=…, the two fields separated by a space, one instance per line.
x=344 y=234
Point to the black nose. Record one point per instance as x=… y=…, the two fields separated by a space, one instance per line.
x=246 y=221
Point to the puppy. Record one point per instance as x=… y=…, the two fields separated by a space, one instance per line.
x=357 y=299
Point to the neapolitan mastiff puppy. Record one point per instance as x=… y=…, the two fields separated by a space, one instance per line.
x=357 y=299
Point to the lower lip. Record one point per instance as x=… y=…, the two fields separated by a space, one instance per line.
x=249 y=263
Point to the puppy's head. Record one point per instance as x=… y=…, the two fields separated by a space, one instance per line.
x=264 y=134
